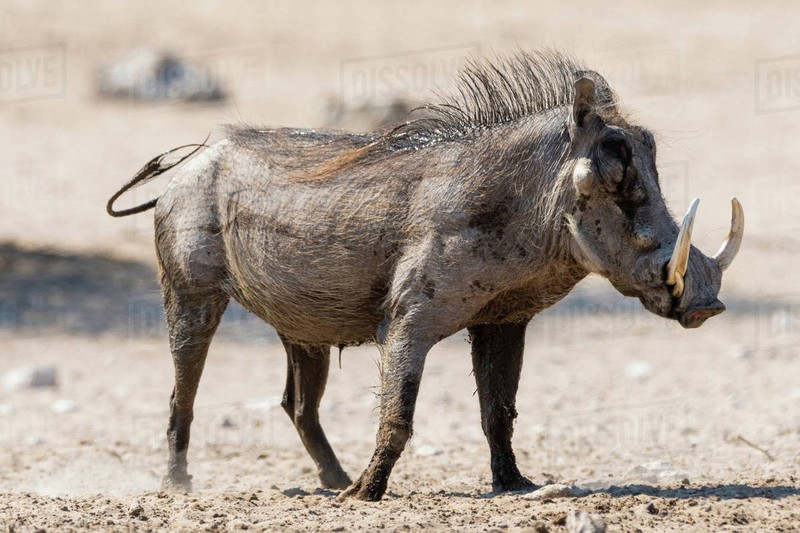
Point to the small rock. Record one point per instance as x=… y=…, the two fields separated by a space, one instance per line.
x=296 y=492
x=652 y=472
x=740 y=518
x=601 y=483
x=540 y=527
x=639 y=370
x=741 y=352
x=135 y=510
x=736 y=400
x=228 y=423
x=238 y=523
x=31 y=378
x=34 y=441
x=63 y=406
x=651 y=508
x=583 y=522
x=555 y=490
x=537 y=430
x=264 y=404
x=427 y=450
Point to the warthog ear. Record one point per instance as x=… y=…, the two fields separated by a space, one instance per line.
x=584 y=101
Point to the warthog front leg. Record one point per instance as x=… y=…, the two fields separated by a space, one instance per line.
x=497 y=363
x=402 y=361
x=192 y=319
x=306 y=377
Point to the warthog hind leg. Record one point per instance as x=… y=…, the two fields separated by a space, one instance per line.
x=306 y=377
x=192 y=319
x=497 y=363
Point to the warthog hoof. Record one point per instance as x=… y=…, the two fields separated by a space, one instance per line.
x=360 y=491
x=334 y=479
x=518 y=483
x=177 y=483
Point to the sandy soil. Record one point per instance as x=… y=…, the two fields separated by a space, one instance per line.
x=662 y=428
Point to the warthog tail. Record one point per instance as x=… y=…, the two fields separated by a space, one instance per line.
x=152 y=169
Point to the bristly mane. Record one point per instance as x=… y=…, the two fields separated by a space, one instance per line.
x=498 y=91
x=488 y=93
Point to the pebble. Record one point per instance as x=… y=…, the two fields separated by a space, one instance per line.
x=740 y=351
x=31 y=378
x=583 y=522
x=135 y=510
x=555 y=490
x=652 y=472
x=427 y=450
x=264 y=404
x=639 y=370
x=62 y=406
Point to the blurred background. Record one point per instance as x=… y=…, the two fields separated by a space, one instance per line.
x=91 y=91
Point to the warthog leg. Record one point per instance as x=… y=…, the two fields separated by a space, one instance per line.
x=402 y=361
x=497 y=363
x=192 y=319
x=306 y=377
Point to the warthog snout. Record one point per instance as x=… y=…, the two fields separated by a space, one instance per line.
x=694 y=317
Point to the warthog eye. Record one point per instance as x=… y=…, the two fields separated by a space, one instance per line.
x=618 y=148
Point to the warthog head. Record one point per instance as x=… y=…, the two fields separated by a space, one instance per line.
x=621 y=227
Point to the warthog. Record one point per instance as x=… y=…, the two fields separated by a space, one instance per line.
x=477 y=217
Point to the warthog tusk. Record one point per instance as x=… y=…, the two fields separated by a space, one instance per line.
x=733 y=241
x=676 y=268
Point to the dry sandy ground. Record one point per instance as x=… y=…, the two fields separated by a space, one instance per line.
x=666 y=429
x=590 y=413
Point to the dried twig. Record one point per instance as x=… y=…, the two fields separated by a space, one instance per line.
x=748 y=443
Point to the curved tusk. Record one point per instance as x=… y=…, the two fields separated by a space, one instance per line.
x=594 y=262
x=676 y=268
x=733 y=241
